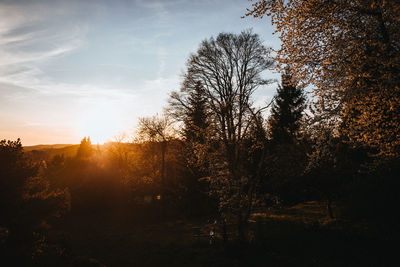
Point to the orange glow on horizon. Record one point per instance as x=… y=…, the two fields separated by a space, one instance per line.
x=101 y=123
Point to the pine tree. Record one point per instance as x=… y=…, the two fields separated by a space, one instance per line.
x=85 y=149
x=286 y=158
x=287 y=111
x=189 y=106
x=195 y=123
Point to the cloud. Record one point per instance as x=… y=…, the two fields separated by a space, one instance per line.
x=30 y=43
x=157 y=4
x=59 y=59
x=30 y=35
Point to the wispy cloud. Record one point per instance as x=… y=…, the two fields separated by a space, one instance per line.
x=60 y=59
x=31 y=35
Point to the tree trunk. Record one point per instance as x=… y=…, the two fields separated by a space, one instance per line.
x=242 y=230
x=163 y=151
x=162 y=189
x=329 y=208
x=224 y=232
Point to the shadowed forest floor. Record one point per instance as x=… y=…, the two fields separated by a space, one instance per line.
x=297 y=236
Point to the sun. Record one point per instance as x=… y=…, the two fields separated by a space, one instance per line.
x=101 y=123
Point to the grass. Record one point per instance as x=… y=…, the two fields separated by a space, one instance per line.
x=296 y=236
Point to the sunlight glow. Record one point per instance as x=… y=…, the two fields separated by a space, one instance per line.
x=101 y=123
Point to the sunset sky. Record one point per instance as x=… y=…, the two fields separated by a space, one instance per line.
x=74 y=68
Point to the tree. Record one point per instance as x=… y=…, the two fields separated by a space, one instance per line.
x=287 y=111
x=119 y=153
x=286 y=155
x=229 y=68
x=27 y=202
x=15 y=170
x=157 y=130
x=350 y=52
x=190 y=107
x=331 y=165
x=85 y=149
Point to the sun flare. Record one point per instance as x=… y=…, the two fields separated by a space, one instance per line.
x=100 y=123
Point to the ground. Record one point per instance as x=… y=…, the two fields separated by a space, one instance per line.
x=297 y=236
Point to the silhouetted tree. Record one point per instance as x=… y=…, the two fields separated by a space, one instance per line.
x=26 y=202
x=190 y=107
x=85 y=149
x=157 y=130
x=15 y=170
x=119 y=152
x=229 y=69
x=331 y=165
x=287 y=111
x=285 y=159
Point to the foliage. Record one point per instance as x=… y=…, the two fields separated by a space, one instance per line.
x=154 y=129
x=225 y=72
x=26 y=196
x=286 y=148
x=190 y=107
x=373 y=197
x=27 y=201
x=350 y=51
x=85 y=150
x=157 y=130
x=229 y=68
x=15 y=170
x=287 y=111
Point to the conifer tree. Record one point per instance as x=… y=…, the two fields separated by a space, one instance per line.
x=287 y=111
x=85 y=149
x=196 y=122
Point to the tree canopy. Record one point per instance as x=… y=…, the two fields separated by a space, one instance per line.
x=350 y=52
x=224 y=73
x=287 y=110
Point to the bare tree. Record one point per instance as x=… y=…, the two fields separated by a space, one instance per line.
x=229 y=69
x=120 y=152
x=156 y=129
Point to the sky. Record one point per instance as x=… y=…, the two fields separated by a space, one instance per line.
x=76 y=68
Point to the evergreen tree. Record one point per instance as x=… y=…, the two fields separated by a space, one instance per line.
x=287 y=158
x=195 y=123
x=189 y=106
x=287 y=111
x=85 y=149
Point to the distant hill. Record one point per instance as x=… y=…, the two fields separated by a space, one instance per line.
x=47 y=152
x=42 y=147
